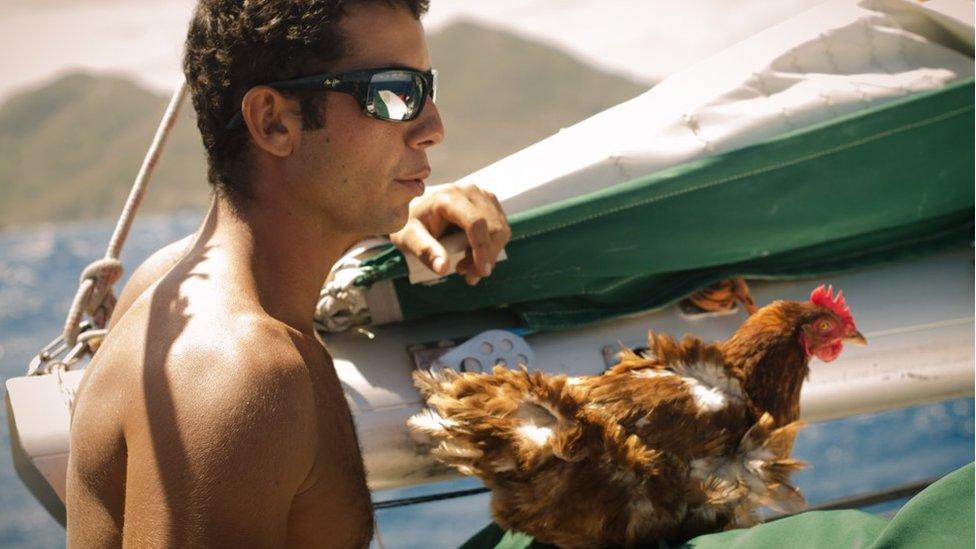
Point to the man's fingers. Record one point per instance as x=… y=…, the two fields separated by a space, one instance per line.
x=475 y=211
x=480 y=215
x=415 y=238
x=480 y=242
x=465 y=269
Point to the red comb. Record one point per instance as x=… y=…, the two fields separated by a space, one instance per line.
x=824 y=297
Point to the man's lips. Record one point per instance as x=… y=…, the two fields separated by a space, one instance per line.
x=416 y=186
x=415 y=181
x=421 y=175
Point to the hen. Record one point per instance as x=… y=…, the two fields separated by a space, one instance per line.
x=685 y=438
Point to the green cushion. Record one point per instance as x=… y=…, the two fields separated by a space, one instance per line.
x=816 y=529
x=941 y=516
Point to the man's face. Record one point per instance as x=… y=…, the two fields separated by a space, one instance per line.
x=360 y=172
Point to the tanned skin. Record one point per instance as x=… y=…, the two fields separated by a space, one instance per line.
x=211 y=415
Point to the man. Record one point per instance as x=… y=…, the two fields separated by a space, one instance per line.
x=211 y=414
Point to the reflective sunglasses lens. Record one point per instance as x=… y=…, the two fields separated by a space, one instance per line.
x=395 y=95
x=433 y=88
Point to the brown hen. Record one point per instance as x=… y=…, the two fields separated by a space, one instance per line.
x=683 y=439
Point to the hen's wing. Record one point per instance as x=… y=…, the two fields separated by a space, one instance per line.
x=682 y=399
x=671 y=385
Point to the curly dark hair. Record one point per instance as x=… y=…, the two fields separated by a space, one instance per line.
x=234 y=45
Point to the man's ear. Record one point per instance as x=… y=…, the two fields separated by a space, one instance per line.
x=273 y=120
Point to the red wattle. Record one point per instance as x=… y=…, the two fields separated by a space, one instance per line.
x=828 y=352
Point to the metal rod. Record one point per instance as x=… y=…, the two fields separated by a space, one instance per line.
x=427 y=499
x=853 y=502
x=866 y=499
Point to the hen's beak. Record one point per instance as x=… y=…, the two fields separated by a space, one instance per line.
x=856 y=338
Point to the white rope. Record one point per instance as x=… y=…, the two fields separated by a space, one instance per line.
x=342 y=304
x=94 y=294
x=67 y=393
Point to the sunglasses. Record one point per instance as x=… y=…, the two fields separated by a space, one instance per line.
x=392 y=94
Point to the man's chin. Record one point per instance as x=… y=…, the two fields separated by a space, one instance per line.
x=397 y=223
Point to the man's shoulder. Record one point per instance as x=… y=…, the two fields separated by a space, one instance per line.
x=228 y=425
x=258 y=350
x=255 y=387
x=262 y=340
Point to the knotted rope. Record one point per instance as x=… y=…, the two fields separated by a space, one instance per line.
x=95 y=296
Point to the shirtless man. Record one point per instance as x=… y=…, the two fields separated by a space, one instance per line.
x=211 y=415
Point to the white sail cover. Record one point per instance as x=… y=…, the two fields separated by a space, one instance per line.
x=837 y=58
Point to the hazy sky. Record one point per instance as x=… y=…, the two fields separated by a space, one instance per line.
x=646 y=38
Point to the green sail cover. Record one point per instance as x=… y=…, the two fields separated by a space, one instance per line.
x=880 y=185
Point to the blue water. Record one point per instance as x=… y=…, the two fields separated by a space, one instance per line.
x=39 y=270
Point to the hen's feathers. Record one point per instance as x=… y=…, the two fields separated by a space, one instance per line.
x=665 y=444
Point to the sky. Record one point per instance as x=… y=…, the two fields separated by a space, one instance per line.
x=647 y=39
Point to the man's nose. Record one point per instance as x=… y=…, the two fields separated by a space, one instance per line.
x=428 y=129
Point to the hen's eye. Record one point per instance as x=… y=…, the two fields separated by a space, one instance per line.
x=823 y=326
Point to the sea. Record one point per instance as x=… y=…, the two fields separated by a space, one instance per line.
x=39 y=270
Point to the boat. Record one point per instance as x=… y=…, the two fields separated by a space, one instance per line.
x=836 y=147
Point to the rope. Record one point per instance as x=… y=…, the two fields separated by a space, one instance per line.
x=94 y=294
x=67 y=393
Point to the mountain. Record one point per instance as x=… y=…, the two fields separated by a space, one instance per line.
x=499 y=93
x=71 y=149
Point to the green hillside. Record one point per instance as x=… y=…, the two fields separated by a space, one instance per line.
x=70 y=149
x=500 y=93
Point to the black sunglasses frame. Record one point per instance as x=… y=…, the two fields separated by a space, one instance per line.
x=354 y=83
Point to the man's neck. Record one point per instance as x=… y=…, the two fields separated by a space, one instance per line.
x=277 y=257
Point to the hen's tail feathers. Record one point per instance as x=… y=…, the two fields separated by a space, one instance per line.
x=756 y=475
x=689 y=358
x=503 y=422
x=661 y=349
x=766 y=449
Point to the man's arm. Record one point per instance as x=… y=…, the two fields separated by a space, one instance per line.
x=220 y=465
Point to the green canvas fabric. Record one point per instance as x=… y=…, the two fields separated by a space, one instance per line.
x=940 y=516
x=879 y=185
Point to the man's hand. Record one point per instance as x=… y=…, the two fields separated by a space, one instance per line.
x=475 y=211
